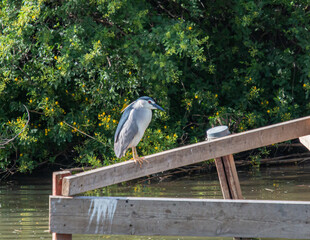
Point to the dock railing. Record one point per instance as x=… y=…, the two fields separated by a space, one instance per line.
x=71 y=214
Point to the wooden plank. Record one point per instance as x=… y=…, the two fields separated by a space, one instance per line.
x=232 y=177
x=180 y=217
x=222 y=178
x=183 y=156
x=57 y=181
x=57 y=188
x=305 y=140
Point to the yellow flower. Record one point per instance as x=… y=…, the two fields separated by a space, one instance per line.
x=159 y=130
x=268 y=111
x=254 y=87
x=196 y=96
x=52 y=109
x=217 y=113
x=98 y=41
x=167 y=137
x=16 y=79
x=21 y=155
x=129 y=73
x=216 y=95
x=100 y=124
x=56 y=102
x=103 y=113
x=59 y=68
x=305 y=85
x=189 y=28
x=86 y=99
x=46 y=99
x=30 y=100
x=156 y=148
x=250 y=79
x=55 y=57
x=165 y=127
x=61 y=123
x=174 y=135
x=73 y=94
x=33 y=17
x=262 y=103
x=107 y=125
x=125 y=100
x=74 y=123
x=267 y=102
x=114 y=121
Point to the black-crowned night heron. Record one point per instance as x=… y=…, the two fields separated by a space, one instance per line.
x=134 y=121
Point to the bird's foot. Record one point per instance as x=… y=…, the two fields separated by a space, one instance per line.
x=140 y=160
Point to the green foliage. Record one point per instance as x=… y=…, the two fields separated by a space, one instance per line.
x=77 y=63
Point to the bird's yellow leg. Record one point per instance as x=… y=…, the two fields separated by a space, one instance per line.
x=136 y=157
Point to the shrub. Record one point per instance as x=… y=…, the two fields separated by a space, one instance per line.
x=78 y=63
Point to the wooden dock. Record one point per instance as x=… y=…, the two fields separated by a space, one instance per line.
x=180 y=217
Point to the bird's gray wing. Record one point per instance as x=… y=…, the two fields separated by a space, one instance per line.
x=125 y=136
x=123 y=119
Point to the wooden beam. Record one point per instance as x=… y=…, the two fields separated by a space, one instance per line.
x=57 y=187
x=186 y=155
x=180 y=217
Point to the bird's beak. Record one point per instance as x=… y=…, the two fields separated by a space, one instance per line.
x=158 y=107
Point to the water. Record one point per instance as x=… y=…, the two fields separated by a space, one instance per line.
x=24 y=203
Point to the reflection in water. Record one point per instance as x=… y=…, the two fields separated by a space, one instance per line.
x=24 y=203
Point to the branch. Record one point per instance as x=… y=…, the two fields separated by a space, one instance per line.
x=6 y=141
x=82 y=132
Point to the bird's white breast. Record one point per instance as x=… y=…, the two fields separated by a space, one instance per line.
x=143 y=117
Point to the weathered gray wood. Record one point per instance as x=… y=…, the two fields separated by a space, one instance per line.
x=183 y=156
x=222 y=178
x=232 y=177
x=180 y=217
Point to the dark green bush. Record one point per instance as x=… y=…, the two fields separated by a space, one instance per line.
x=241 y=63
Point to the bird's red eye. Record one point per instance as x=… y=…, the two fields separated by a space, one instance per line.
x=149 y=101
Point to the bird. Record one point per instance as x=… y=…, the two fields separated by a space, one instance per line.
x=134 y=121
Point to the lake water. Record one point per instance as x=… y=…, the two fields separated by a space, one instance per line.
x=24 y=202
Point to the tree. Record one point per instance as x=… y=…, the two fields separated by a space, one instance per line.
x=78 y=63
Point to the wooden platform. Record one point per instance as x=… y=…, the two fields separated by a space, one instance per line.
x=180 y=217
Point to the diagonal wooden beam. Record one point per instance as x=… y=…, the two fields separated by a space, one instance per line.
x=180 y=217
x=186 y=155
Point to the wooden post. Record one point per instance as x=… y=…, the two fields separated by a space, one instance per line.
x=57 y=189
x=226 y=168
